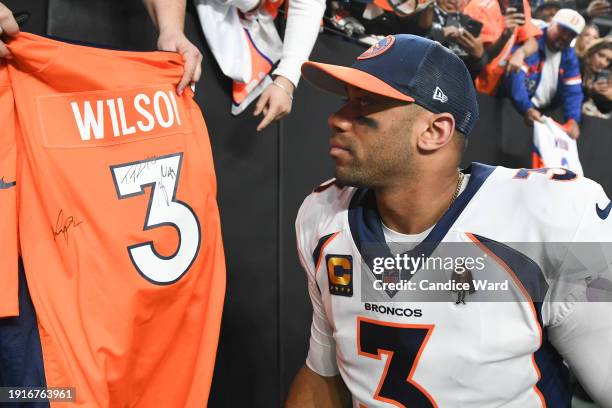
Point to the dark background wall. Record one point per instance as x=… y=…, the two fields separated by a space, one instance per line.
x=263 y=178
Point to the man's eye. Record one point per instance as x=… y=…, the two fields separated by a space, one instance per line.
x=365 y=102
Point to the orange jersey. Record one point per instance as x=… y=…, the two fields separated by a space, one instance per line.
x=115 y=200
x=8 y=199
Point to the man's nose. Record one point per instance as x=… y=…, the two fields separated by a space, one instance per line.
x=342 y=120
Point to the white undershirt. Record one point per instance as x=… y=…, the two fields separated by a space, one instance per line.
x=549 y=79
x=303 y=22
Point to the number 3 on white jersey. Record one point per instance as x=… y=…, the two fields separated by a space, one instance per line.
x=162 y=174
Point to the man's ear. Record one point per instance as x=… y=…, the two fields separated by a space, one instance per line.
x=439 y=132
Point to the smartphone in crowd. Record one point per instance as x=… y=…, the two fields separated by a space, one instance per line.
x=474 y=27
x=517 y=5
x=603 y=76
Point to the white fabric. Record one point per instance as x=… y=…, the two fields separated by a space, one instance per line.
x=398 y=237
x=303 y=22
x=478 y=354
x=223 y=33
x=372 y=11
x=547 y=88
x=242 y=5
x=555 y=147
x=229 y=38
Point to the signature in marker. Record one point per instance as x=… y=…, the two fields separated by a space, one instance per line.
x=63 y=225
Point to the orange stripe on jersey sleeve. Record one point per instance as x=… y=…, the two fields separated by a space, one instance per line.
x=325 y=244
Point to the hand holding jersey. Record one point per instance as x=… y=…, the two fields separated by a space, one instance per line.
x=8 y=27
x=397 y=143
x=169 y=18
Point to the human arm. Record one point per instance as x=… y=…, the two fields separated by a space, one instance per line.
x=596 y=8
x=526 y=35
x=532 y=115
x=477 y=57
x=570 y=92
x=584 y=341
x=472 y=45
x=517 y=58
x=169 y=18
x=311 y=390
x=580 y=327
x=511 y=21
x=515 y=89
x=321 y=368
x=303 y=20
x=8 y=27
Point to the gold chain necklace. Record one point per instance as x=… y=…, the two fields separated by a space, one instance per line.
x=458 y=189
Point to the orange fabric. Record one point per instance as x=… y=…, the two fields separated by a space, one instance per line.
x=536 y=161
x=118 y=222
x=383 y=4
x=9 y=305
x=272 y=6
x=489 y=13
x=260 y=67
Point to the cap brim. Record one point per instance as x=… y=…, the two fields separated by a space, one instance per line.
x=334 y=78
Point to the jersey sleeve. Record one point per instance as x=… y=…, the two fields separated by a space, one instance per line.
x=570 y=86
x=322 y=352
x=9 y=305
x=580 y=325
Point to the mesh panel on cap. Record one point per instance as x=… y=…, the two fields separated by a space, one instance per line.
x=444 y=70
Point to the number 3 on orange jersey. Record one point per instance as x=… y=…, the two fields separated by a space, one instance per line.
x=162 y=174
x=403 y=345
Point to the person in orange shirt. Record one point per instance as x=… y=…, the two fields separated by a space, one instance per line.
x=501 y=31
x=167 y=15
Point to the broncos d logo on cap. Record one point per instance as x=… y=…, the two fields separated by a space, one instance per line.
x=378 y=48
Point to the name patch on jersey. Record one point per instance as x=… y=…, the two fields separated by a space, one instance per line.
x=88 y=119
x=340 y=274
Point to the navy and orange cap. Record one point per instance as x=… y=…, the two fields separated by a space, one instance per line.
x=408 y=68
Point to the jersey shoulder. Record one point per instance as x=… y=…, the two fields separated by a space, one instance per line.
x=556 y=187
x=323 y=212
x=536 y=204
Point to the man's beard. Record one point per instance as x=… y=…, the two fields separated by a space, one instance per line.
x=352 y=177
x=376 y=175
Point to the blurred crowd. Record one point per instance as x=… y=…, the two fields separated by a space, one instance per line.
x=540 y=54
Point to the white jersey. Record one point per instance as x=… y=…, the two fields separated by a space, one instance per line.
x=480 y=346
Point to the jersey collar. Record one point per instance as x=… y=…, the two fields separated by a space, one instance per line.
x=366 y=226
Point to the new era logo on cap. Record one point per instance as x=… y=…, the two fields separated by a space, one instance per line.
x=439 y=95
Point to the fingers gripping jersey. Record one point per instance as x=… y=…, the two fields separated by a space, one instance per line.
x=396 y=349
x=115 y=199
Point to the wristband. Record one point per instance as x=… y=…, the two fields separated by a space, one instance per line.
x=284 y=89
